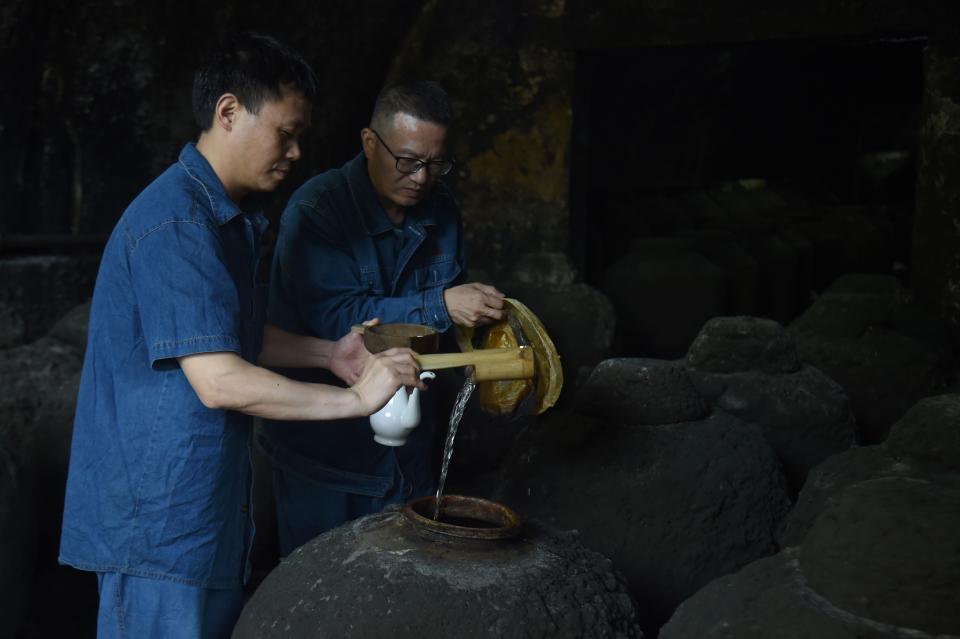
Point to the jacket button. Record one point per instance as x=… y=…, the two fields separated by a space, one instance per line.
x=243 y=508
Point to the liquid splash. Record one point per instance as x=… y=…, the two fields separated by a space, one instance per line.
x=455 y=416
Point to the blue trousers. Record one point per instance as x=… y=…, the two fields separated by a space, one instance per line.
x=308 y=505
x=307 y=508
x=323 y=479
x=142 y=608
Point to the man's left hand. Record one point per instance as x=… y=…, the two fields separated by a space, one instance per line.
x=474 y=304
x=349 y=355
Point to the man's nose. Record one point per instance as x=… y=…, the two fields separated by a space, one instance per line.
x=293 y=153
x=421 y=175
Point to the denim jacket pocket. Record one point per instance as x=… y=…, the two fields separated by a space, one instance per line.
x=371 y=280
x=437 y=272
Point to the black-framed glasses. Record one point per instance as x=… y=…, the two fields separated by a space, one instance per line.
x=410 y=166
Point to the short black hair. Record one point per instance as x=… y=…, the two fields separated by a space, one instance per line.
x=423 y=99
x=253 y=67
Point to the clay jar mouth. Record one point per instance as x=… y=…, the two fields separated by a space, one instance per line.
x=463 y=517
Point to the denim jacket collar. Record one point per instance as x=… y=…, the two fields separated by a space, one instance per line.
x=199 y=169
x=373 y=217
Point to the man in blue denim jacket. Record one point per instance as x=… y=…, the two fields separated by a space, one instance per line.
x=158 y=490
x=379 y=237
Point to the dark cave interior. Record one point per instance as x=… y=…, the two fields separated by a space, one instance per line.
x=818 y=125
x=739 y=223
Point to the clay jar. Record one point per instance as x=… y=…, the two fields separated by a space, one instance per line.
x=394 y=575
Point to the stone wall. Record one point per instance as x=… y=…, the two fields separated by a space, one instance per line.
x=509 y=70
x=936 y=231
x=97 y=95
x=96 y=99
x=657 y=22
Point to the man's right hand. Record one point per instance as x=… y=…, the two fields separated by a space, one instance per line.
x=383 y=374
x=474 y=304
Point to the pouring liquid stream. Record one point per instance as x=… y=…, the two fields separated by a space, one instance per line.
x=455 y=416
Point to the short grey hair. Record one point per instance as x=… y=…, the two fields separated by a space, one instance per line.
x=424 y=100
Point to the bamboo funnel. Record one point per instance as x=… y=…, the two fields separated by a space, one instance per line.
x=488 y=364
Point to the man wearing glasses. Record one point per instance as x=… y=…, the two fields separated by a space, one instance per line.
x=380 y=237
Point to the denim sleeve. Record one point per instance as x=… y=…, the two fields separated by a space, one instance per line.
x=187 y=300
x=318 y=285
x=461 y=251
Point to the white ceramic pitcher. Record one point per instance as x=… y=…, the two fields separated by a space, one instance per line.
x=393 y=423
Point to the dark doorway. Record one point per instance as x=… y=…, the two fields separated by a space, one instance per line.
x=744 y=148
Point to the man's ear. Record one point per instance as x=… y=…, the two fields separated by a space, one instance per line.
x=369 y=142
x=226 y=110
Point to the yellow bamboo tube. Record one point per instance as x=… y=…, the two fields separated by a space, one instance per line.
x=496 y=357
x=519 y=368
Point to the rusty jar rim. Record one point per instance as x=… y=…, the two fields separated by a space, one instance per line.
x=506 y=523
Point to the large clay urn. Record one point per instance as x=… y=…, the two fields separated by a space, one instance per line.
x=400 y=574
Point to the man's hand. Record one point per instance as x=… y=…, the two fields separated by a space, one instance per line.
x=383 y=374
x=349 y=355
x=473 y=304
